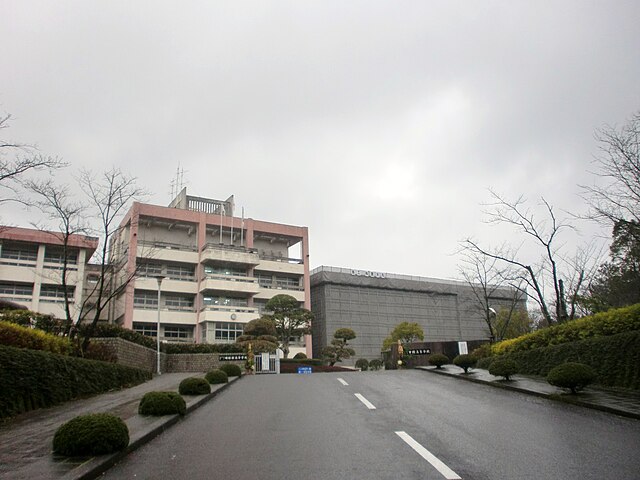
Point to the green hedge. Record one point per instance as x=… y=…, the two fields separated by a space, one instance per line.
x=615 y=358
x=14 y=335
x=162 y=403
x=33 y=379
x=613 y=322
x=231 y=369
x=93 y=434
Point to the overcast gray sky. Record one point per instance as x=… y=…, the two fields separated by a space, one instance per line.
x=379 y=125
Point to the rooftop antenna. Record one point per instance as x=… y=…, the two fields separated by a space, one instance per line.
x=177 y=184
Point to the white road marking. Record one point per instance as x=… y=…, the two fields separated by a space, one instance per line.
x=368 y=404
x=429 y=457
x=343 y=382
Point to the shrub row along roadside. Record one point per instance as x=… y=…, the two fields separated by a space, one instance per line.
x=14 y=335
x=608 y=323
x=33 y=379
x=615 y=359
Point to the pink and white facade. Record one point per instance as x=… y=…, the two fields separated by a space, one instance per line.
x=31 y=264
x=218 y=271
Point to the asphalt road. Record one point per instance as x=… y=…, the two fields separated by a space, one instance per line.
x=314 y=427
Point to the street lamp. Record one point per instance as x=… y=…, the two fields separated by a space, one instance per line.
x=159 y=278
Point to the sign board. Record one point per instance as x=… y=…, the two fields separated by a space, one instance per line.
x=462 y=348
x=305 y=370
x=367 y=273
x=265 y=362
x=419 y=351
x=232 y=357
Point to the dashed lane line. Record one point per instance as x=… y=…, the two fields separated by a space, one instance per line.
x=429 y=457
x=343 y=382
x=367 y=403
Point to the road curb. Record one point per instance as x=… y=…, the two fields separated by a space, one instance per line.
x=96 y=466
x=551 y=396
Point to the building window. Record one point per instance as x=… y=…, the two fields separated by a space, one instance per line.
x=17 y=251
x=56 y=255
x=149 y=269
x=148 y=329
x=179 y=302
x=227 y=332
x=55 y=293
x=178 y=333
x=143 y=299
x=224 y=270
x=180 y=272
x=9 y=288
x=224 y=302
x=290 y=283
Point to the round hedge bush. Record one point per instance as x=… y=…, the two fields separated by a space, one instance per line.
x=503 y=368
x=465 y=362
x=194 y=386
x=438 y=359
x=216 y=376
x=231 y=369
x=362 y=364
x=571 y=375
x=94 y=434
x=375 y=364
x=299 y=355
x=162 y=403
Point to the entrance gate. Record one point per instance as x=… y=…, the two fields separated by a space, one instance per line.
x=267 y=363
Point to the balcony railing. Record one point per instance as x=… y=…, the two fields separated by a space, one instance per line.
x=230 y=308
x=229 y=278
x=168 y=246
x=280 y=258
x=230 y=248
x=278 y=286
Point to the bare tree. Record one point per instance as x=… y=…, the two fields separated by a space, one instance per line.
x=545 y=274
x=16 y=159
x=490 y=280
x=616 y=199
x=109 y=195
x=58 y=203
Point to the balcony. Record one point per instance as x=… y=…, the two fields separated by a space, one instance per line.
x=230 y=283
x=229 y=254
x=168 y=285
x=274 y=263
x=228 y=313
x=170 y=252
x=268 y=293
x=180 y=317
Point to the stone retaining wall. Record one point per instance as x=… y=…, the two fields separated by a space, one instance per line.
x=134 y=355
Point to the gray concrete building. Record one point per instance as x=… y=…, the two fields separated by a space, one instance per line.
x=373 y=303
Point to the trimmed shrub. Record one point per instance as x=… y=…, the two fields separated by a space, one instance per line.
x=14 y=335
x=299 y=355
x=194 y=386
x=465 y=362
x=613 y=322
x=482 y=351
x=503 y=368
x=231 y=369
x=362 y=364
x=571 y=375
x=485 y=362
x=216 y=376
x=162 y=403
x=438 y=359
x=95 y=434
x=375 y=364
x=32 y=379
